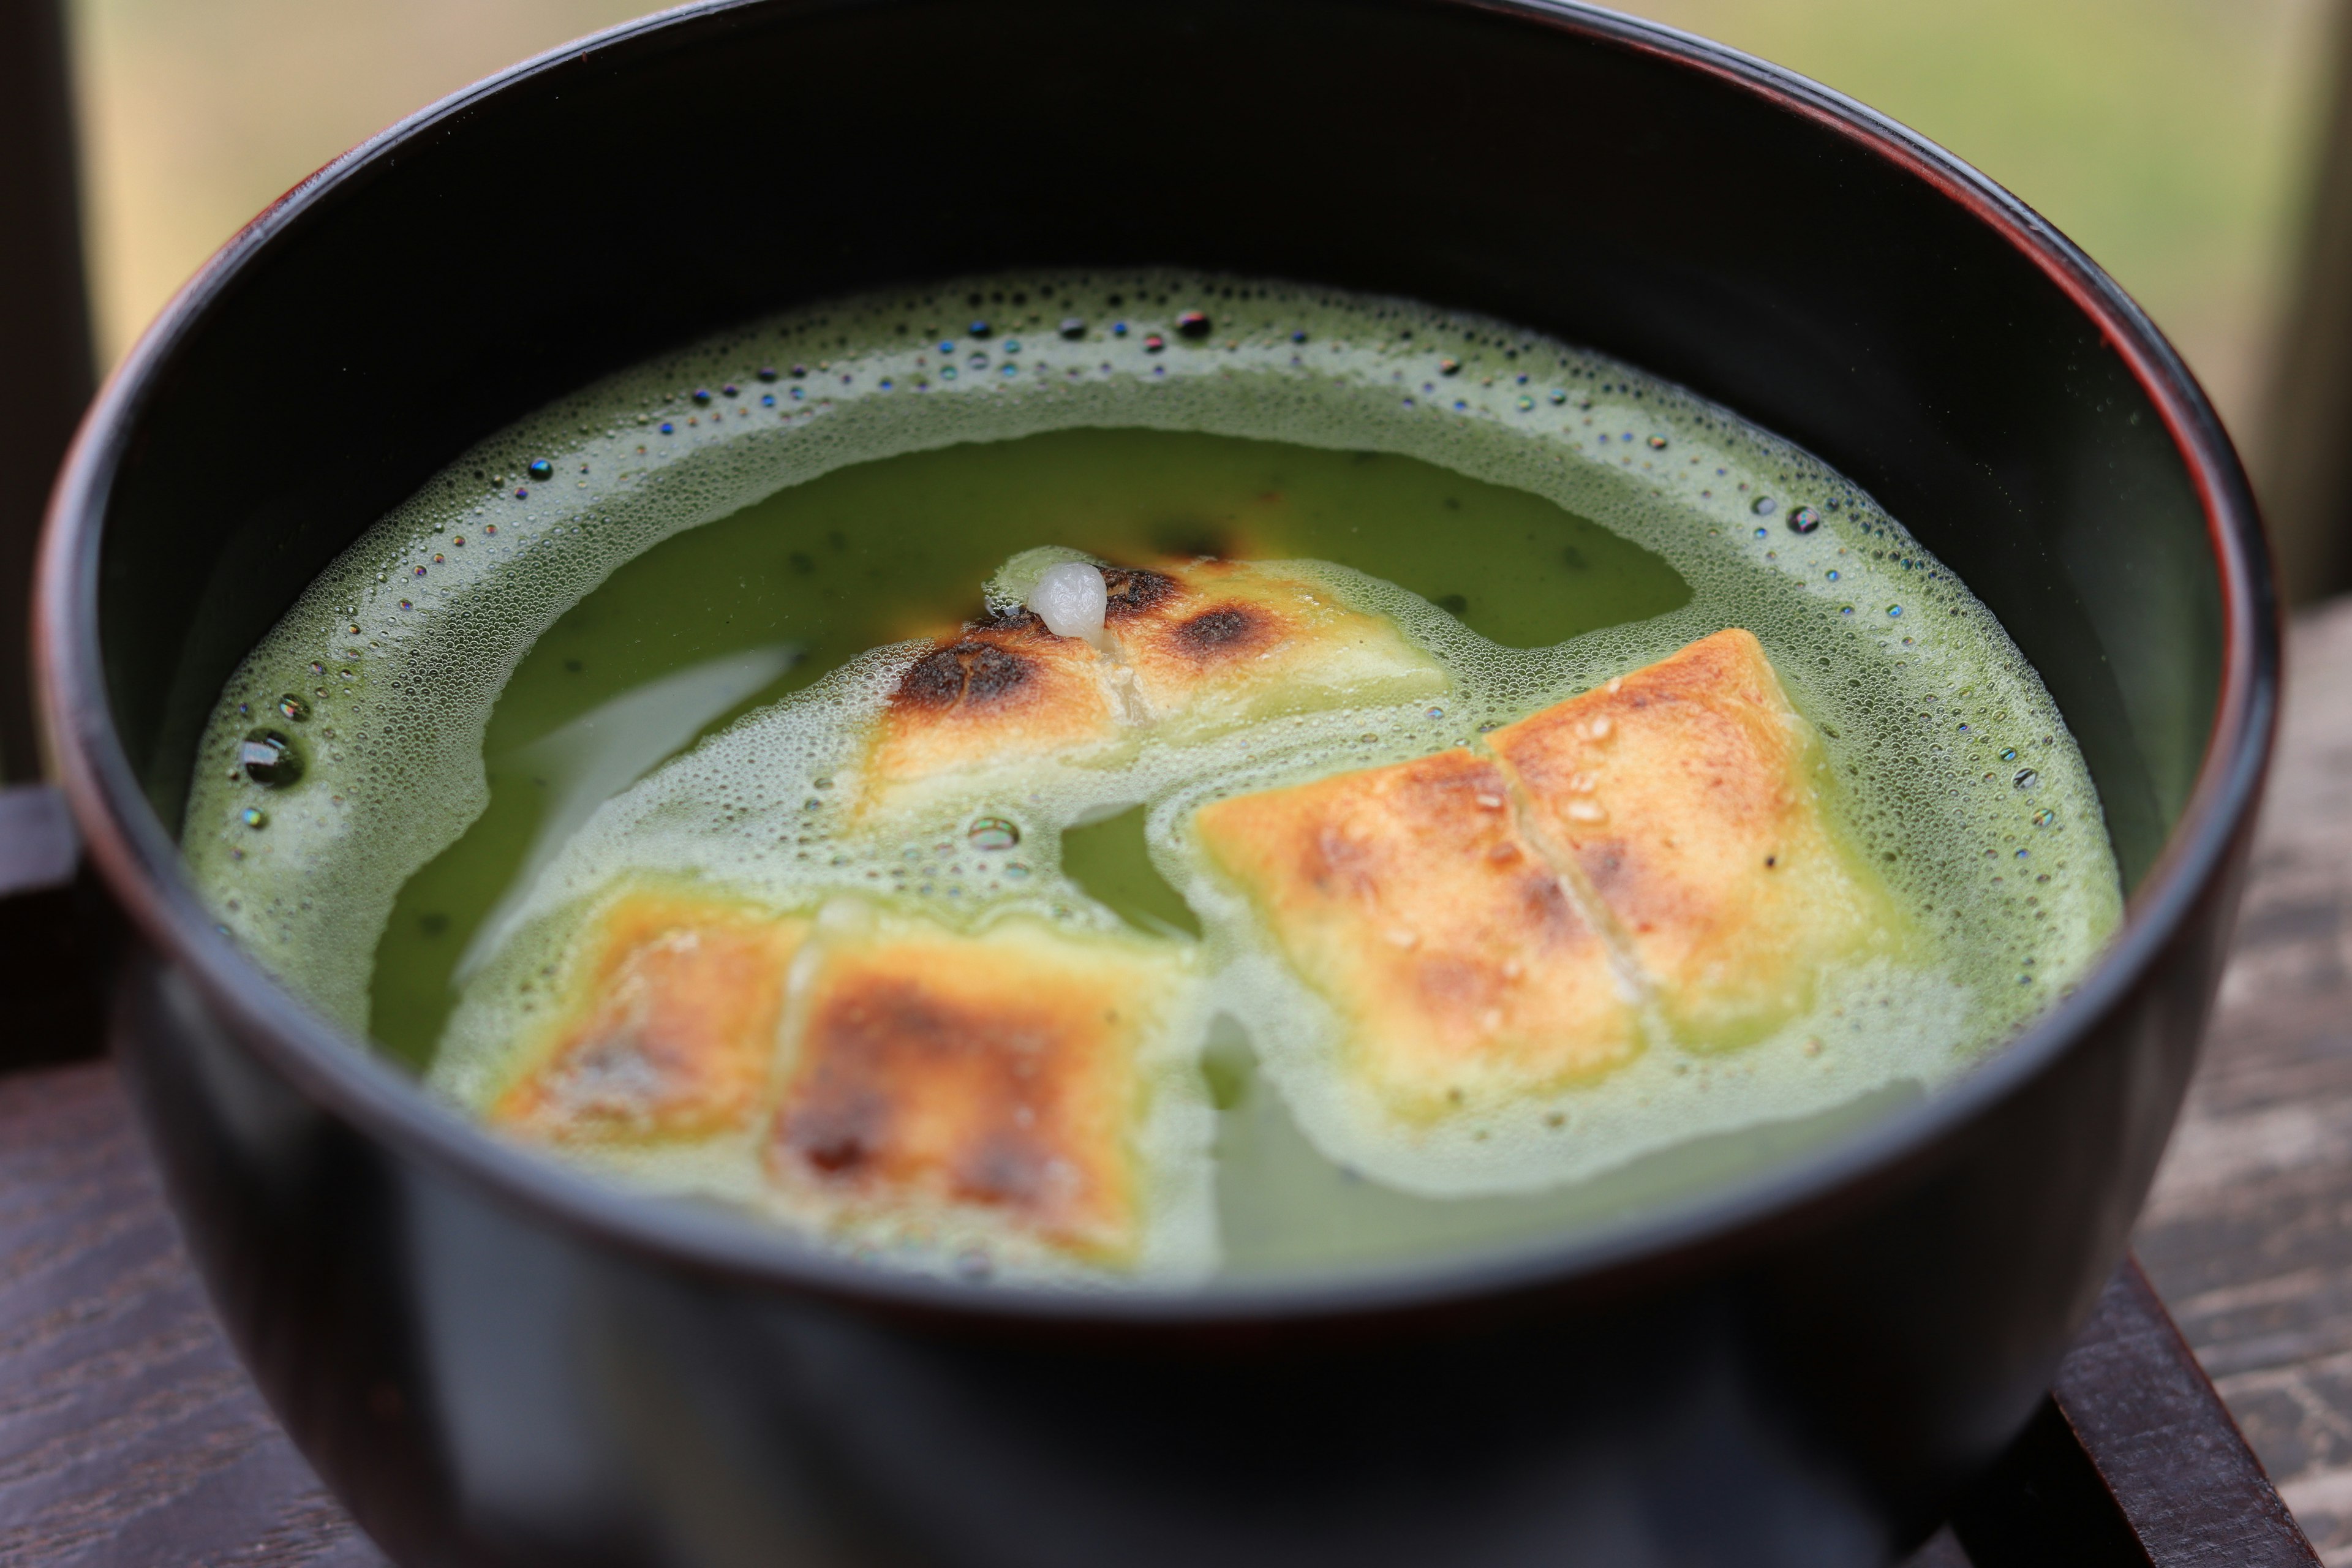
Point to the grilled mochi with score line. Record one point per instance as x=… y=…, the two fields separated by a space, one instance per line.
x=1194 y=647
x=670 y=1030
x=1210 y=643
x=1011 y=1088
x=1689 y=797
x=1471 y=918
x=1409 y=899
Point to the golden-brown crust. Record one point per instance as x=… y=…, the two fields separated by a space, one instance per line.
x=1200 y=643
x=992 y=1075
x=1686 y=794
x=1002 y=690
x=671 y=1032
x=1410 y=900
x=1214 y=640
x=1132 y=594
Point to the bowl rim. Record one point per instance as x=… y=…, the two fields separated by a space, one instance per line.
x=138 y=856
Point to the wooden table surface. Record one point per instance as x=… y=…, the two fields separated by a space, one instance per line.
x=129 y=1436
x=2247 y=1234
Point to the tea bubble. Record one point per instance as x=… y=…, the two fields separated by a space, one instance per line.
x=293 y=707
x=992 y=832
x=270 y=758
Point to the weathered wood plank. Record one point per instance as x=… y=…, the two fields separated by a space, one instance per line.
x=2247 y=1234
x=129 y=1436
x=2184 y=1481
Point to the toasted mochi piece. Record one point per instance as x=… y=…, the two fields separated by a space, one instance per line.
x=670 y=1031
x=1688 y=796
x=1001 y=691
x=1409 y=899
x=997 y=1086
x=1212 y=643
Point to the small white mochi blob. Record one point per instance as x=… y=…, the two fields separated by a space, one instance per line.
x=1070 y=599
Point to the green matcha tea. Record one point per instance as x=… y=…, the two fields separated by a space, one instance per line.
x=629 y=731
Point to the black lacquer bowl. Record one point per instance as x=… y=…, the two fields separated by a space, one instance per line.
x=490 y=1360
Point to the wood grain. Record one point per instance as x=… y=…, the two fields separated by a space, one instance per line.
x=2141 y=1410
x=129 y=1436
x=2247 y=1234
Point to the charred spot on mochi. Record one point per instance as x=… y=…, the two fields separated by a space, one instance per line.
x=1017 y=619
x=1226 y=631
x=1333 y=862
x=1131 y=591
x=837 y=1134
x=901 y=1078
x=1007 y=1169
x=964 y=672
x=1543 y=902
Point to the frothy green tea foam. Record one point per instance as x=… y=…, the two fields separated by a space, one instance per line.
x=347 y=750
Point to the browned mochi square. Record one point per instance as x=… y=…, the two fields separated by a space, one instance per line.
x=670 y=1031
x=991 y=1082
x=1688 y=795
x=1002 y=690
x=1408 y=898
x=1211 y=642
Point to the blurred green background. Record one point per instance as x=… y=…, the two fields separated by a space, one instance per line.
x=2172 y=137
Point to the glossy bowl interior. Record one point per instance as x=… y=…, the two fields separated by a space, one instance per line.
x=1775 y=248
